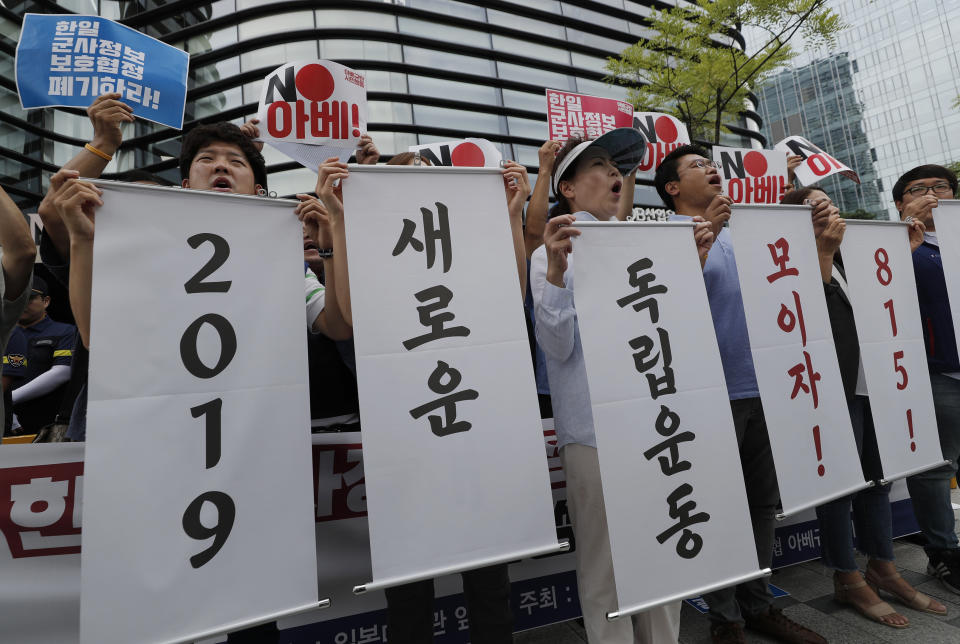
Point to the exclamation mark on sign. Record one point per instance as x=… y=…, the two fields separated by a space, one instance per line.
x=821 y=470
x=356 y=120
x=343 y=119
x=913 y=445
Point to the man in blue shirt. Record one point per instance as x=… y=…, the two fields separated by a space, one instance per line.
x=688 y=182
x=915 y=194
x=37 y=360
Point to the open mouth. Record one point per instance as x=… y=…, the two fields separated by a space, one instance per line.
x=222 y=184
x=617 y=186
x=309 y=245
x=716 y=180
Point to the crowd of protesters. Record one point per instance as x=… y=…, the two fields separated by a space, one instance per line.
x=45 y=361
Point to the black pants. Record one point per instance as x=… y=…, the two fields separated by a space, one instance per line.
x=487 y=591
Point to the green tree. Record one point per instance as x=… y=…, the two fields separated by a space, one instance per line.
x=693 y=67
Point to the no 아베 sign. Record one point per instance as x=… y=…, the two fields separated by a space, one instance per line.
x=752 y=176
x=817 y=164
x=317 y=102
x=663 y=133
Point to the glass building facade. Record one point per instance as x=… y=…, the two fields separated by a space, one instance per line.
x=435 y=70
x=818 y=101
x=904 y=58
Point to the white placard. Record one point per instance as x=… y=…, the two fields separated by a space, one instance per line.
x=197 y=345
x=752 y=176
x=664 y=134
x=811 y=438
x=438 y=316
x=471 y=153
x=946 y=219
x=672 y=485
x=817 y=164
x=883 y=294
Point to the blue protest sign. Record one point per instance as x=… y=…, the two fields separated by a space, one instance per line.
x=67 y=60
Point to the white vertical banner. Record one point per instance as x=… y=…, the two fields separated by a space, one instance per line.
x=946 y=219
x=883 y=294
x=453 y=453
x=672 y=483
x=794 y=356
x=197 y=346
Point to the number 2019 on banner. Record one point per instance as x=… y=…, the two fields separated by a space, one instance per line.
x=211 y=410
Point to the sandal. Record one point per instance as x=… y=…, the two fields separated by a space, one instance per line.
x=918 y=601
x=875 y=612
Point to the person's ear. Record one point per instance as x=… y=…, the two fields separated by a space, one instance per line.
x=898 y=205
x=567 y=189
x=46 y=301
x=185 y=183
x=672 y=188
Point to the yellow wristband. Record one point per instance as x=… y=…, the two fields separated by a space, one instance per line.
x=100 y=153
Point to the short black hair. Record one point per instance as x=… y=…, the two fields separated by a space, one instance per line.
x=930 y=171
x=797 y=196
x=667 y=170
x=133 y=176
x=222 y=131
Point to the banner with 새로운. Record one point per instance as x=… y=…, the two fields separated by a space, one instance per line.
x=816 y=164
x=570 y=114
x=811 y=437
x=443 y=374
x=312 y=110
x=187 y=372
x=664 y=134
x=676 y=510
x=471 y=153
x=68 y=60
x=752 y=176
x=883 y=294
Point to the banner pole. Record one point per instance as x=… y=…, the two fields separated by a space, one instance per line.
x=830 y=497
x=916 y=470
x=236 y=626
x=560 y=546
x=623 y=612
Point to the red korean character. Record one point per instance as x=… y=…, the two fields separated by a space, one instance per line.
x=780 y=253
x=812 y=377
x=787 y=319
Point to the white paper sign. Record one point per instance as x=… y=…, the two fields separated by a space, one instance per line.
x=313 y=110
x=444 y=374
x=474 y=153
x=664 y=134
x=752 y=176
x=946 y=218
x=672 y=483
x=883 y=294
x=811 y=438
x=817 y=164
x=196 y=345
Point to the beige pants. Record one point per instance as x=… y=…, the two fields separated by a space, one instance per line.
x=595 y=582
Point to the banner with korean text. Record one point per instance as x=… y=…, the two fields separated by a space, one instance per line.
x=570 y=114
x=808 y=422
x=816 y=164
x=187 y=372
x=752 y=176
x=672 y=482
x=313 y=110
x=883 y=294
x=946 y=218
x=68 y=60
x=444 y=376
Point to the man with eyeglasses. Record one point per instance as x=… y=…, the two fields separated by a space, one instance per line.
x=916 y=194
x=688 y=183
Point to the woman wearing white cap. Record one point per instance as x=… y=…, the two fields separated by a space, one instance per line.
x=587 y=180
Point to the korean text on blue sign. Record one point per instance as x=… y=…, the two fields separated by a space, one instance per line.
x=68 y=60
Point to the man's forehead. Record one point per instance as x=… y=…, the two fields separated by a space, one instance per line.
x=222 y=146
x=926 y=181
x=687 y=159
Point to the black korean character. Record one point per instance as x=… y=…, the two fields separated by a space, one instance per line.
x=643 y=282
x=689 y=543
x=644 y=359
x=671 y=463
x=431 y=235
x=663 y=417
x=448 y=423
x=429 y=317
